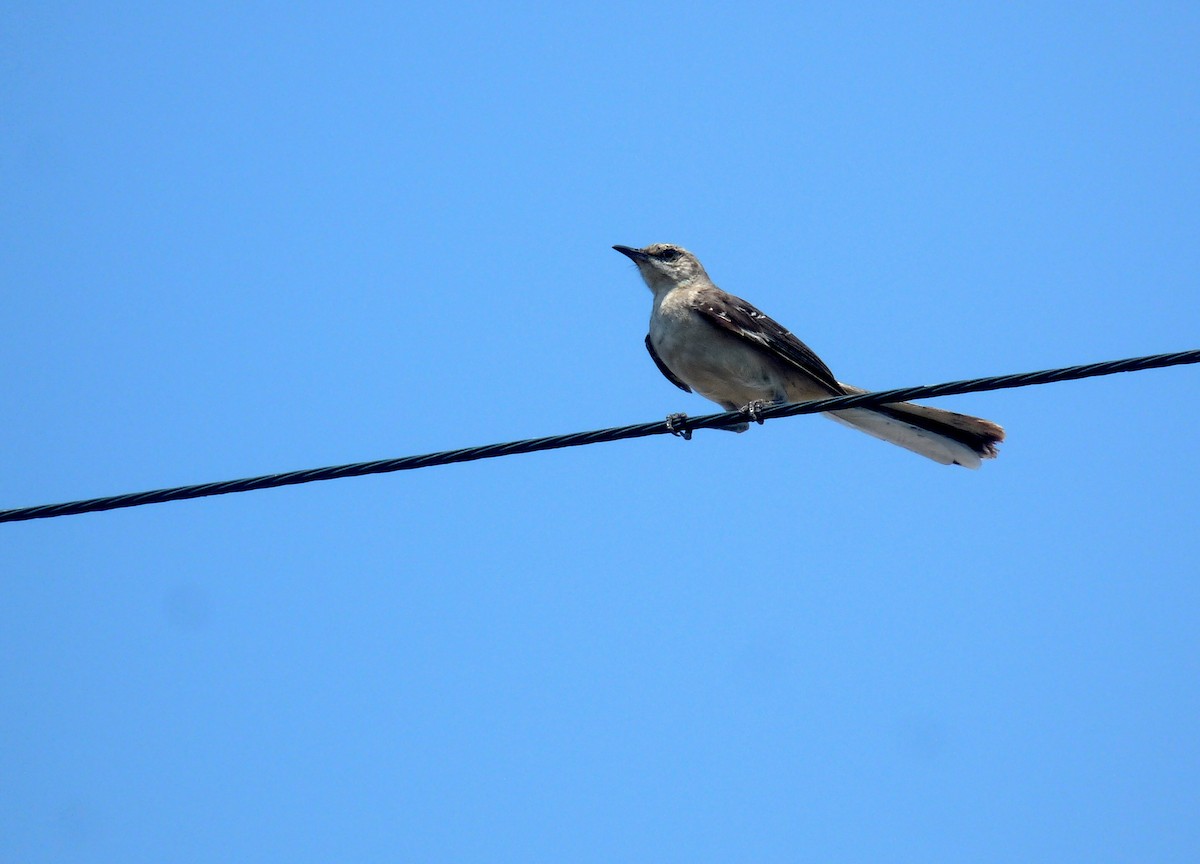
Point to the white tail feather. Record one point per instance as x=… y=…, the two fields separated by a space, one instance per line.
x=939 y=448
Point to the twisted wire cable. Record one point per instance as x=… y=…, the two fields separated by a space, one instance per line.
x=677 y=426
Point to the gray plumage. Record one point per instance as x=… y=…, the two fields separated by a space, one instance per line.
x=706 y=340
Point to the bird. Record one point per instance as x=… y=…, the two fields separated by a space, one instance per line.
x=707 y=341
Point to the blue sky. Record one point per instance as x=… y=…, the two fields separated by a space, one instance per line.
x=248 y=238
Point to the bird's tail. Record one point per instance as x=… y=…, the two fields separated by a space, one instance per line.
x=943 y=436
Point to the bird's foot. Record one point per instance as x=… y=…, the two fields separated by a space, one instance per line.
x=674 y=424
x=751 y=409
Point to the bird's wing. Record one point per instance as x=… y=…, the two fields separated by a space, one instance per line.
x=662 y=367
x=738 y=317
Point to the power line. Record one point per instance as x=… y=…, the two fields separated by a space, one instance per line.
x=599 y=436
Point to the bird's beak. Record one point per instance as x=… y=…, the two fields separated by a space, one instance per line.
x=636 y=254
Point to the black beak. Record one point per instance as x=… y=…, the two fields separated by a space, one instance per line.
x=635 y=254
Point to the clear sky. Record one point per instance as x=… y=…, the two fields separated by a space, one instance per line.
x=246 y=238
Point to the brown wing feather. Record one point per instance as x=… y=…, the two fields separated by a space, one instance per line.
x=743 y=320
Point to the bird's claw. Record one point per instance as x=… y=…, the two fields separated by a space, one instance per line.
x=751 y=409
x=674 y=422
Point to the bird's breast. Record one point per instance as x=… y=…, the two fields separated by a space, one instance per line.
x=716 y=364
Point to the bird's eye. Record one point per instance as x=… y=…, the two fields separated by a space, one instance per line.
x=668 y=254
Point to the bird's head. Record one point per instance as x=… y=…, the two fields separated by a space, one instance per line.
x=664 y=265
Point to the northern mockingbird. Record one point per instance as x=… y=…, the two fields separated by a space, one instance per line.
x=706 y=340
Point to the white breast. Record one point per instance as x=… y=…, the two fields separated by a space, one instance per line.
x=716 y=364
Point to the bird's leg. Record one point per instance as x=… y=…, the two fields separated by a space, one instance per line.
x=674 y=422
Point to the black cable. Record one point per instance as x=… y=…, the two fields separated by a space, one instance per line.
x=619 y=433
